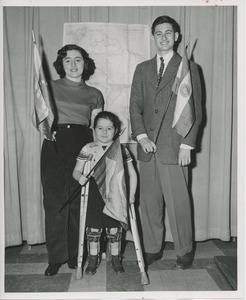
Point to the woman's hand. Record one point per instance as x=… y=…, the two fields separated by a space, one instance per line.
x=83 y=179
x=54 y=136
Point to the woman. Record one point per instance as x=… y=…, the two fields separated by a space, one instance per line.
x=76 y=104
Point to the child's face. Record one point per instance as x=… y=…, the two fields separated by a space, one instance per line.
x=104 y=131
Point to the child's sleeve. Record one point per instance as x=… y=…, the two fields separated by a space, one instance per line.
x=126 y=154
x=82 y=156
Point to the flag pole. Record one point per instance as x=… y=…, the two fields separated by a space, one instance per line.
x=33 y=37
x=187 y=44
x=75 y=192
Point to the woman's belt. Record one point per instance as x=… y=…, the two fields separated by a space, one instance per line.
x=61 y=126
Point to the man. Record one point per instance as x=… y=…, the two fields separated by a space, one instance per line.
x=163 y=154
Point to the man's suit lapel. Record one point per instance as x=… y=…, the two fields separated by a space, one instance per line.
x=152 y=72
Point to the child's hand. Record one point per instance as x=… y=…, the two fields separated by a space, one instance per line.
x=132 y=199
x=83 y=179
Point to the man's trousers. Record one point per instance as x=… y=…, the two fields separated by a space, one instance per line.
x=162 y=185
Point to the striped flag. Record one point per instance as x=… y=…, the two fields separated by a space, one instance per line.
x=43 y=116
x=110 y=178
x=184 y=114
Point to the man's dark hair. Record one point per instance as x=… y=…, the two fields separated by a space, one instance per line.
x=89 y=65
x=165 y=19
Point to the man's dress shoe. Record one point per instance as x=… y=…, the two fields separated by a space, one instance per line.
x=151 y=257
x=52 y=269
x=185 y=261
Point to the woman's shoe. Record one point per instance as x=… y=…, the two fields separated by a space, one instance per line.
x=72 y=263
x=52 y=269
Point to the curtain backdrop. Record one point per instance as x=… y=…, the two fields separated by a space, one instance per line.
x=212 y=33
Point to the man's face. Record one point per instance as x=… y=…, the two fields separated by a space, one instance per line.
x=164 y=38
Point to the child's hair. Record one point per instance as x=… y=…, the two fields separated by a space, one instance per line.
x=109 y=116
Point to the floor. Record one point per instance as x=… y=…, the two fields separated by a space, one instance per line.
x=25 y=266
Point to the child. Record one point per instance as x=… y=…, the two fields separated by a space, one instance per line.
x=106 y=126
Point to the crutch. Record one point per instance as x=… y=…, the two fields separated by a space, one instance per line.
x=83 y=210
x=135 y=235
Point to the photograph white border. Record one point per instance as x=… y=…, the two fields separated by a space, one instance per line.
x=240 y=293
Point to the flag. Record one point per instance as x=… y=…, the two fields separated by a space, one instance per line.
x=184 y=114
x=110 y=178
x=43 y=116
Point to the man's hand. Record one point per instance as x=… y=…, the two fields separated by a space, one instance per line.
x=147 y=145
x=184 y=157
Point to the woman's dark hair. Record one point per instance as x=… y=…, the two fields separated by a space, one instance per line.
x=111 y=117
x=165 y=19
x=89 y=65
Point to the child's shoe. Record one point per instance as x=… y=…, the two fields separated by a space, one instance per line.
x=116 y=265
x=93 y=263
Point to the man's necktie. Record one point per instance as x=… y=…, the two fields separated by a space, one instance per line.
x=159 y=76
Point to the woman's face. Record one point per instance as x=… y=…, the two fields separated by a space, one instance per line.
x=104 y=131
x=73 y=65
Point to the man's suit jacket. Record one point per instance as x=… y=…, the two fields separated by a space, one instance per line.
x=148 y=105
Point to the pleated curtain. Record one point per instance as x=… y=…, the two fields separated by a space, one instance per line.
x=212 y=33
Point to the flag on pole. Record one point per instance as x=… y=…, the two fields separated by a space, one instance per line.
x=184 y=114
x=110 y=178
x=43 y=116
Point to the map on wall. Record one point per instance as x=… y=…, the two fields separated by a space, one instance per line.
x=116 y=50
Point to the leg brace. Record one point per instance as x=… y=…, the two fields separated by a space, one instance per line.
x=93 y=240
x=114 y=236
